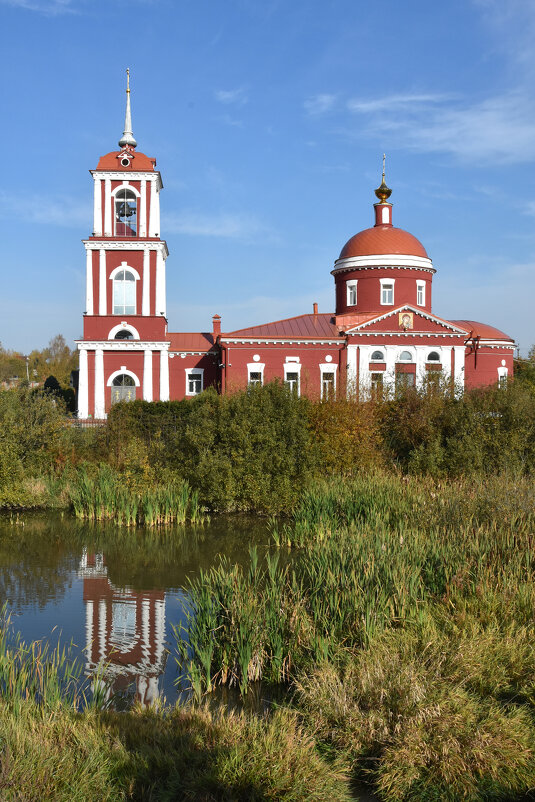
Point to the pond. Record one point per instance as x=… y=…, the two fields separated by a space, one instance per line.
x=115 y=593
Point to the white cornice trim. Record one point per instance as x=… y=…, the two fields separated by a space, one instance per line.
x=135 y=245
x=417 y=311
x=280 y=340
x=384 y=260
x=121 y=345
x=429 y=334
x=352 y=269
x=129 y=176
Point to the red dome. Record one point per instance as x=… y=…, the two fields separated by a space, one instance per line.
x=383 y=239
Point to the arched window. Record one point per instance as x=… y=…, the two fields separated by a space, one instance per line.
x=124 y=293
x=125 y=213
x=433 y=356
x=124 y=334
x=123 y=388
x=378 y=356
x=405 y=356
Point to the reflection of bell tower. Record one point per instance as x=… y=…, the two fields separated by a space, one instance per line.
x=124 y=350
x=125 y=632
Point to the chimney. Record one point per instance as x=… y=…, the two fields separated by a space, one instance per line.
x=315 y=308
x=216 y=326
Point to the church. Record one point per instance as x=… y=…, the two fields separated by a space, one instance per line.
x=382 y=336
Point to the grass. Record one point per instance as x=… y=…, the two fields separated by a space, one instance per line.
x=106 y=495
x=405 y=622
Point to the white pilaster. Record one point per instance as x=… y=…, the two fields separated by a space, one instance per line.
x=147 y=375
x=145 y=298
x=164 y=375
x=389 y=378
x=83 y=386
x=421 y=358
x=89 y=282
x=154 y=217
x=102 y=295
x=143 y=210
x=160 y=283
x=100 y=405
x=351 y=370
x=364 y=373
x=97 y=207
x=459 y=369
x=107 y=208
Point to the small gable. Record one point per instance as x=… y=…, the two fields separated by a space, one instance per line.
x=406 y=319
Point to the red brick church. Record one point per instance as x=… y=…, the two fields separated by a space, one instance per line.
x=382 y=335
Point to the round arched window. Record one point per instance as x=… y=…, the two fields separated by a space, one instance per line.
x=405 y=356
x=378 y=356
x=433 y=356
x=125 y=213
x=123 y=388
x=124 y=334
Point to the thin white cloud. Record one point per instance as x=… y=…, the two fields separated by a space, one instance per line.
x=499 y=129
x=319 y=104
x=42 y=209
x=47 y=7
x=232 y=97
x=225 y=225
x=394 y=102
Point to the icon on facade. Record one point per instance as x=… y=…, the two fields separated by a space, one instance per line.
x=406 y=320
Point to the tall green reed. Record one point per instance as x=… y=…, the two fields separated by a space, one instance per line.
x=106 y=496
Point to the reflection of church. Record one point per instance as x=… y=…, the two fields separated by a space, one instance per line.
x=382 y=336
x=124 y=633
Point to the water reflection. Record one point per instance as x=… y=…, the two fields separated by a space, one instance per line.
x=115 y=593
x=124 y=634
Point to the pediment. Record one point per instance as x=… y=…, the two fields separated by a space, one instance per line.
x=405 y=319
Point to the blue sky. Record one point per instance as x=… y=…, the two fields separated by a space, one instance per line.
x=268 y=119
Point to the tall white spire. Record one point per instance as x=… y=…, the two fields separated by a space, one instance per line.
x=128 y=136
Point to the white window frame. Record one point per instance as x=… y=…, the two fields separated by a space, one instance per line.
x=384 y=283
x=255 y=367
x=119 y=372
x=502 y=376
x=406 y=361
x=122 y=326
x=327 y=367
x=189 y=371
x=292 y=366
x=351 y=291
x=126 y=267
x=420 y=289
x=120 y=188
x=383 y=351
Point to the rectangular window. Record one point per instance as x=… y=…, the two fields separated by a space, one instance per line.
x=194 y=383
x=387 y=294
x=291 y=380
x=404 y=381
x=420 y=293
x=351 y=287
x=255 y=379
x=432 y=380
x=327 y=385
x=377 y=386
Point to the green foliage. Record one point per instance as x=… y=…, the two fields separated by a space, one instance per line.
x=250 y=450
x=107 y=495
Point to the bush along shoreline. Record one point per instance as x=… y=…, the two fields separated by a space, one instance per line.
x=255 y=450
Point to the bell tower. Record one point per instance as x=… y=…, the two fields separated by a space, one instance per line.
x=124 y=349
